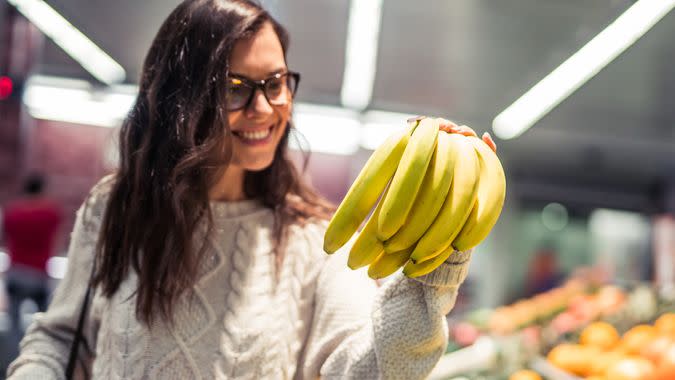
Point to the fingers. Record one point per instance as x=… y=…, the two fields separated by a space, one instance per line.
x=446 y=124
x=466 y=131
x=488 y=140
x=450 y=127
x=463 y=130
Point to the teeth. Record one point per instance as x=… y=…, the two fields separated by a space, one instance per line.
x=259 y=135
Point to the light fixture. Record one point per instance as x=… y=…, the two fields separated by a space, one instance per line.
x=361 y=53
x=327 y=129
x=378 y=125
x=91 y=57
x=76 y=101
x=580 y=67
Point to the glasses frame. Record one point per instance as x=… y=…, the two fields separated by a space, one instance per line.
x=260 y=85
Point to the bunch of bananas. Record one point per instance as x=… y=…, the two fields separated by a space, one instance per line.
x=438 y=192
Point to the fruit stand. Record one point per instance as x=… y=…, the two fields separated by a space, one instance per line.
x=577 y=331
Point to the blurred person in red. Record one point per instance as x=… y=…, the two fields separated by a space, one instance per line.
x=543 y=272
x=30 y=227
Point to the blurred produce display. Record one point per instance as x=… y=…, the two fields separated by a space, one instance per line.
x=643 y=352
x=583 y=329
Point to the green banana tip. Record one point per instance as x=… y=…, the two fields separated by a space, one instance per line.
x=329 y=247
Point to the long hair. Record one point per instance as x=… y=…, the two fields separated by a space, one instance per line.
x=174 y=144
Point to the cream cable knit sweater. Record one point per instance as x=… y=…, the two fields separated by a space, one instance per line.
x=238 y=322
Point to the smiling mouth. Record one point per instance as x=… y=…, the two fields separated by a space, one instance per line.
x=254 y=135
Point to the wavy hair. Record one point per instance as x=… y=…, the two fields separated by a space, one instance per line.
x=174 y=144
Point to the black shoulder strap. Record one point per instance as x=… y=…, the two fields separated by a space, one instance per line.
x=72 y=358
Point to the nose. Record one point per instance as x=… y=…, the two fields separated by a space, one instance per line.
x=259 y=105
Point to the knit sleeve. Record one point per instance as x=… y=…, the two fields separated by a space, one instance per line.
x=397 y=331
x=46 y=345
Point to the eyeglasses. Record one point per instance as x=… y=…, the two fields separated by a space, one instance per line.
x=279 y=89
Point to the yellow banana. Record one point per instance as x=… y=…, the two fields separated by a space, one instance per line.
x=408 y=178
x=430 y=197
x=365 y=190
x=491 y=193
x=367 y=246
x=457 y=206
x=420 y=269
x=388 y=263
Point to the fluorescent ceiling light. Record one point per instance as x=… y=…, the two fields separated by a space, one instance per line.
x=580 y=67
x=72 y=41
x=361 y=53
x=327 y=129
x=378 y=125
x=75 y=101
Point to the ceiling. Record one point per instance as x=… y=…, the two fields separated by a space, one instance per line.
x=467 y=60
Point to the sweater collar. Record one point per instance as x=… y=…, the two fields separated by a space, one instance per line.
x=236 y=209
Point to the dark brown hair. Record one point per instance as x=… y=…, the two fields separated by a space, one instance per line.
x=174 y=144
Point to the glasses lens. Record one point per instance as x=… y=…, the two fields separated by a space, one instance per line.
x=238 y=93
x=292 y=83
x=280 y=89
x=276 y=90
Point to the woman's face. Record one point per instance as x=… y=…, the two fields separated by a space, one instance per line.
x=258 y=128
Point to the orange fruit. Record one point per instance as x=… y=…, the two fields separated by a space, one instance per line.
x=666 y=368
x=666 y=324
x=663 y=373
x=562 y=356
x=605 y=360
x=525 y=374
x=636 y=338
x=633 y=368
x=599 y=334
x=667 y=360
x=655 y=349
x=573 y=358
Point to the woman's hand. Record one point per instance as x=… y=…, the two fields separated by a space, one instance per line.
x=451 y=127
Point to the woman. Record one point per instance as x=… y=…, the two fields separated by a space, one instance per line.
x=206 y=244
